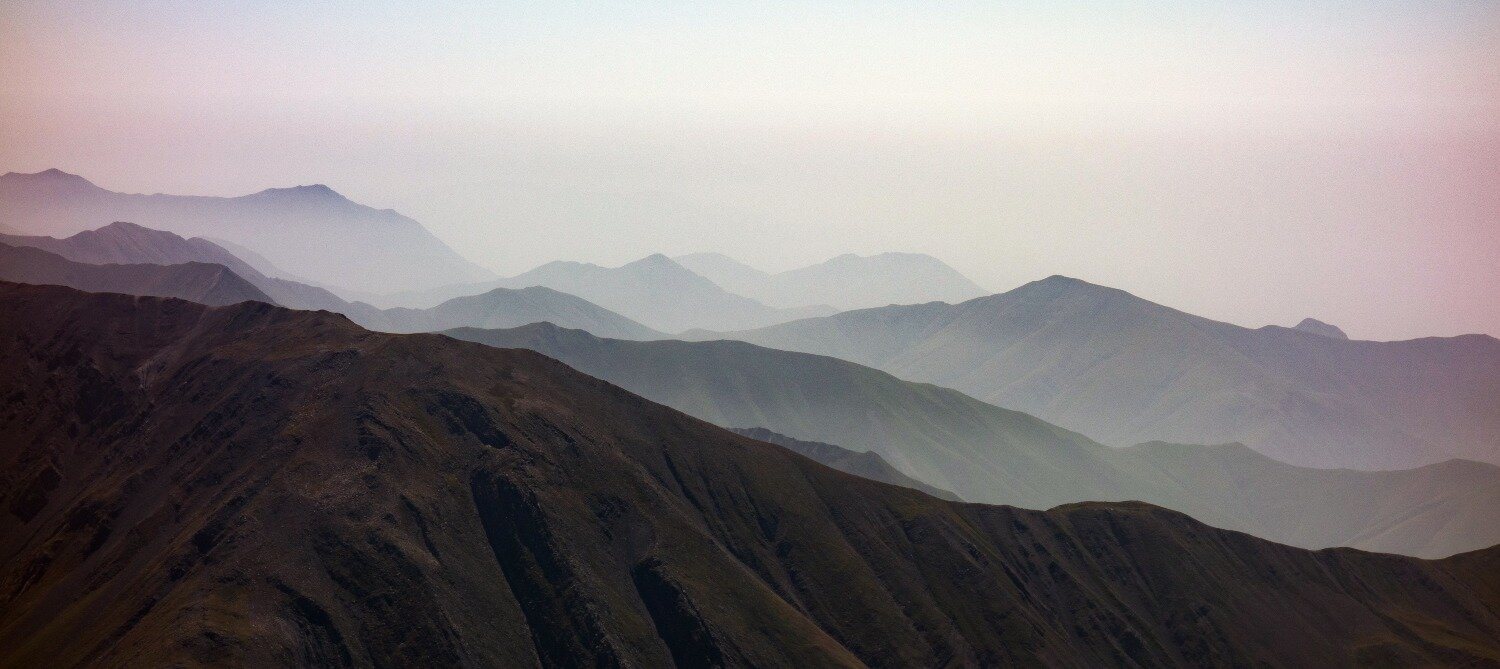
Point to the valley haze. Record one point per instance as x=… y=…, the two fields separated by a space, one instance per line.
x=732 y=334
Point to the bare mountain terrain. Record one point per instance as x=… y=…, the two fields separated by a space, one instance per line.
x=847 y=282
x=310 y=231
x=988 y=454
x=250 y=485
x=1124 y=370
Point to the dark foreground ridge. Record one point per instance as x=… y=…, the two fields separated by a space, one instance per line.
x=252 y=485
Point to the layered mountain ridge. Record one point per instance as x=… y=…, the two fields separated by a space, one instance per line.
x=310 y=231
x=1124 y=370
x=252 y=485
x=847 y=281
x=988 y=454
x=129 y=244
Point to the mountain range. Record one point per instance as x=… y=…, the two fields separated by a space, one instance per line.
x=124 y=245
x=655 y=291
x=846 y=282
x=199 y=282
x=984 y=453
x=309 y=231
x=1124 y=370
x=250 y=485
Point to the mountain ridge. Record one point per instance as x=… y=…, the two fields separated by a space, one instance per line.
x=311 y=231
x=1125 y=370
x=989 y=454
x=847 y=281
x=281 y=487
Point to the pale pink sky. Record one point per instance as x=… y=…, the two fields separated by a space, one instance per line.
x=1252 y=162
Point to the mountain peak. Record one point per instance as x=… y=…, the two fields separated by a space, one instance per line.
x=306 y=192
x=50 y=177
x=1320 y=328
x=655 y=261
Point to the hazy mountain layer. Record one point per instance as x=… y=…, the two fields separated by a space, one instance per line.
x=255 y=486
x=654 y=291
x=988 y=454
x=507 y=307
x=129 y=243
x=310 y=231
x=199 y=282
x=846 y=282
x=1124 y=370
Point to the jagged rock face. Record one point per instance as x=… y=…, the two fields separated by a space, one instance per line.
x=251 y=485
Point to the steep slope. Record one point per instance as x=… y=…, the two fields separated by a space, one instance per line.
x=1124 y=370
x=199 y=282
x=654 y=291
x=847 y=282
x=255 y=486
x=864 y=464
x=310 y=231
x=988 y=454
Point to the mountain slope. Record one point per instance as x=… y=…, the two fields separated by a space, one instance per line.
x=846 y=282
x=310 y=231
x=199 y=282
x=255 y=486
x=863 y=464
x=654 y=291
x=1124 y=370
x=988 y=454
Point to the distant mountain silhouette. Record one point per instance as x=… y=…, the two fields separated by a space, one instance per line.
x=1318 y=327
x=846 y=282
x=510 y=307
x=654 y=290
x=1124 y=370
x=865 y=464
x=988 y=454
x=310 y=231
x=200 y=282
x=130 y=243
x=255 y=486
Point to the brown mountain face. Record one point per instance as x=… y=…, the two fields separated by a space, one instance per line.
x=251 y=485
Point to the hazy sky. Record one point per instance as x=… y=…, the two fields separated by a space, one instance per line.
x=1255 y=162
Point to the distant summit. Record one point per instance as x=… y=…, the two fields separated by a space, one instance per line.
x=310 y=231
x=847 y=281
x=1320 y=328
x=308 y=191
x=50 y=181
